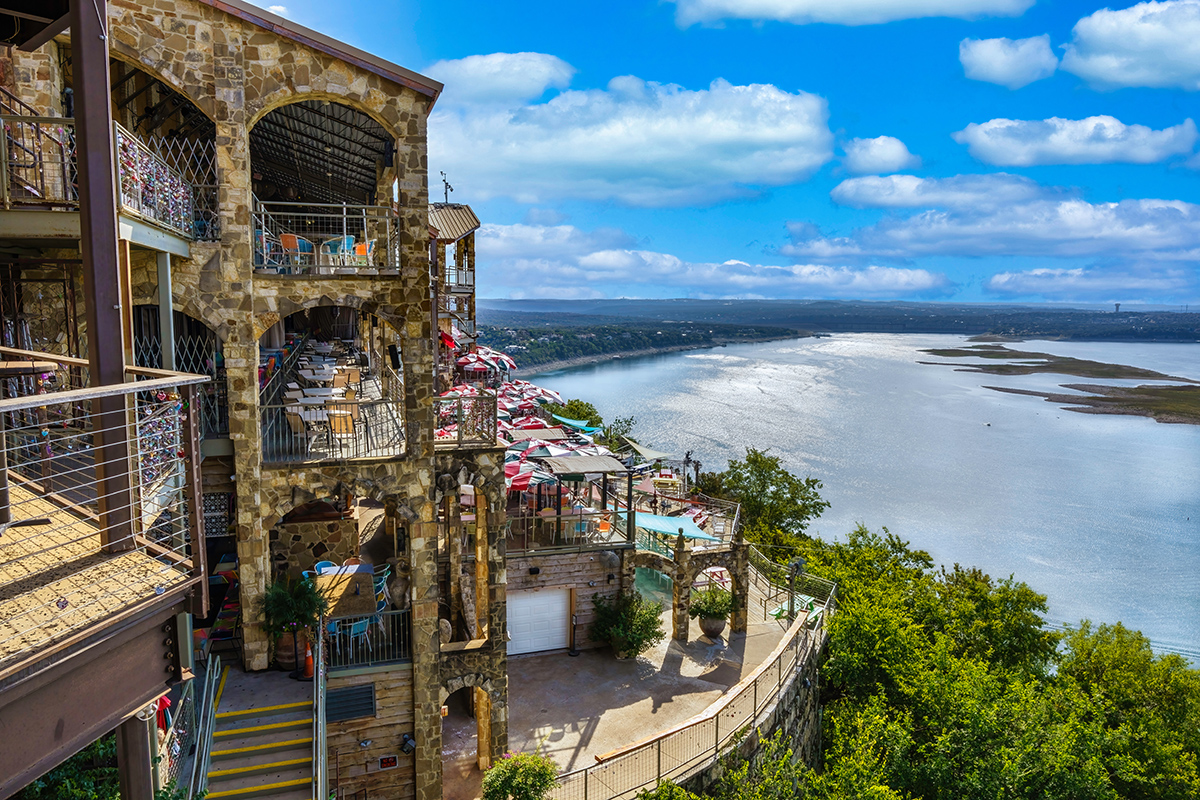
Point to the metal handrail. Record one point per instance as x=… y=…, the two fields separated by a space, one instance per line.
x=320 y=745
x=206 y=726
x=155 y=195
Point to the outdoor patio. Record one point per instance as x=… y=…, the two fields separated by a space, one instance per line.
x=573 y=709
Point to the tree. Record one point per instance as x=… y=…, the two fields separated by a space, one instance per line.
x=520 y=776
x=578 y=409
x=770 y=496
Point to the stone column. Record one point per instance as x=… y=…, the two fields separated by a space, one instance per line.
x=740 y=573
x=426 y=653
x=681 y=585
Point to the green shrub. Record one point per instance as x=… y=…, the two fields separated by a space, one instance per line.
x=520 y=776
x=628 y=622
x=712 y=603
x=290 y=605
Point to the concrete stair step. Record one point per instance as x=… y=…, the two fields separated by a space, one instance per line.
x=264 y=729
x=247 y=714
x=292 y=783
x=236 y=770
x=225 y=751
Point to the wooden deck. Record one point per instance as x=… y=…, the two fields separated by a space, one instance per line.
x=55 y=579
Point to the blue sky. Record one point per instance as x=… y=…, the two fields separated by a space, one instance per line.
x=965 y=150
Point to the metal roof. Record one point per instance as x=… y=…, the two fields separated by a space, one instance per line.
x=577 y=465
x=327 y=44
x=29 y=24
x=545 y=434
x=452 y=221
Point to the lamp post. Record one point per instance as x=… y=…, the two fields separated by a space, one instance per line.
x=795 y=567
x=574 y=651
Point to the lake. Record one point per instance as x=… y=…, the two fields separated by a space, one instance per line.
x=1094 y=511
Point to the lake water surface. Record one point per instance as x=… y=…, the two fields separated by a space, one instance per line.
x=1100 y=513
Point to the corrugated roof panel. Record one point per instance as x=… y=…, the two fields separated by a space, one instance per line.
x=452 y=221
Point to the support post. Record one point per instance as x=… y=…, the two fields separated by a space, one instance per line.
x=166 y=315
x=101 y=274
x=135 y=767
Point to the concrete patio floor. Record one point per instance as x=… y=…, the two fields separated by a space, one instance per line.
x=573 y=709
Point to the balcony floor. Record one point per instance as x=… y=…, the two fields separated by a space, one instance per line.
x=44 y=565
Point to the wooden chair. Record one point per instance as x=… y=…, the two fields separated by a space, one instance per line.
x=300 y=432
x=354 y=377
x=341 y=428
x=340 y=380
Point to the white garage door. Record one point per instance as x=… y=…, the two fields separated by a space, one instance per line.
x=539 y=620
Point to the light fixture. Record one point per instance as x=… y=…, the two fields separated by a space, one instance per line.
x=366 y=742
x=407 y=744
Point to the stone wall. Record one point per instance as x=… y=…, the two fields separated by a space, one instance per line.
x=298 y=546
x=359 y=766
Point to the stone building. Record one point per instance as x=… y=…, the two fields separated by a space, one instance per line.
x=272 y=204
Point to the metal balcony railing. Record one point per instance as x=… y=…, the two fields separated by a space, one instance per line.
x=466 y=421
x=325 y=239
x=334 y=430
x=382 y=638
x=72 y=557
x=38 y=158
x=459 y=280
x=569 y=531
x=149 y=187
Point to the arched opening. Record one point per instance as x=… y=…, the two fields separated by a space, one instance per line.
x=166 y=154
x=197 y=349
x=331 y=387
x=466 y=726
x=322 y=176
x=655 y=586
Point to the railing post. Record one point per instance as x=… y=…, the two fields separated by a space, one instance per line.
x=659 y=768
x=6 y=167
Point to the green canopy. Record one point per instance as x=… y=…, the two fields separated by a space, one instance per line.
x=671 y=526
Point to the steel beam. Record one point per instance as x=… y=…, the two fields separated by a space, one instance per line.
x=135 y=765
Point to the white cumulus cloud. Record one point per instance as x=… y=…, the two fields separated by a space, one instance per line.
x=280 y=10
x=1154 y=44
x=501 y=77
x=1046 y=223
x=1009 y=62
x=960 y=191
x=1090 y=283
x=562 y=261
x=638 y=142
x=877 y=156
x=841 y=12
x=1095 y=140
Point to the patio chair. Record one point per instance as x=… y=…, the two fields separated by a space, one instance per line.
x=296 y=249
x=363 y=253
x=300 y=432
x=341 y=428
x=320 y=565
x=354 y=377
x=339 y=380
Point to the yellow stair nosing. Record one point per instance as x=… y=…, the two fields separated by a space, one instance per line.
x=293 y=762
x=274 y=726
x=248 y=712
x=265 y=746
x=266 y=787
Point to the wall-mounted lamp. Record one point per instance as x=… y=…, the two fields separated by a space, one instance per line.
x=611 y=577
x=365 y=743
x=407 y=744
x=535 y=570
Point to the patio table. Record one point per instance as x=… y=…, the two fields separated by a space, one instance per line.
x=320 y=391
x=312 y=415
x=349 y=594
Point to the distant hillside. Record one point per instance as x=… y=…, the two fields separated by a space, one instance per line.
x=857 y=317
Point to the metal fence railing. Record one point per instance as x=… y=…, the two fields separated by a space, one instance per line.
x=320 y=743
x=84 y=537
x=679 y=752
x=466 y=421
x=206 y=725
x=38 y=158
x=570 y=531
x=336 y=430
x=326 y=239
x=175 y=747
x=367 y=641
x=149 y=187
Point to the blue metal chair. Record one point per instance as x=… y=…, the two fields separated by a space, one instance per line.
x=320 y=565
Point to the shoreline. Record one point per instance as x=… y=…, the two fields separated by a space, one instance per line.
x=583 y=361
x=1108 y=400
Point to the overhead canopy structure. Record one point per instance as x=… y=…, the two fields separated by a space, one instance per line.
x=673 y=526
x=452 y=221
x=580 y=465
x=646 y=452
x=545 y=434
x=578 y=424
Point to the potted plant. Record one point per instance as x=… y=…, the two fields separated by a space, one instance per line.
x=520 y=776
x=713 y=606
x=628 y=622
x=290 y=608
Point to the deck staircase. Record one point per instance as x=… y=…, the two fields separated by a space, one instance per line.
x=263 y=752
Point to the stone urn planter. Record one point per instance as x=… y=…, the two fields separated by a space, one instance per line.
x=712 y=626
x=285 y=656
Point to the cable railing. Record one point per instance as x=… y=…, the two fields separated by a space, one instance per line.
x=326 y=239
x=206 y=725
x=569 y=531
x=320 y=745
x=150 y=187
x=97 y=518
x=466 y=421
x=38 y=158
x=334 y=430
x=681 y=751
x=368 y=641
